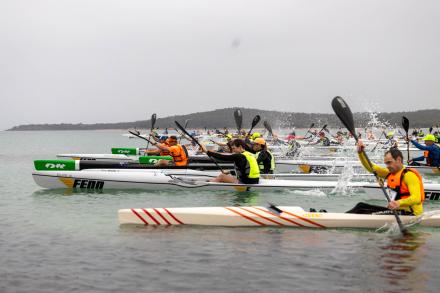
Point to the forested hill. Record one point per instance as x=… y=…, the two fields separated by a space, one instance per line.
x=224 y=118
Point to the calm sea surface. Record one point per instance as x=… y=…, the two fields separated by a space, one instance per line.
x=59 y=241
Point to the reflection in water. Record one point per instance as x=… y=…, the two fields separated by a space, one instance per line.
x=401 y=261
x=248 y=198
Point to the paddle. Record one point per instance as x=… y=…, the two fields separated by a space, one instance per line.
x=345 y=115
x=378 y=141
x=274 y=208
x=186 y=124
x=153 y=123
x=197 y=142
x=328 y=131
x=268 y=127
x=405 y=125
x=238 y=119
x=254 y=123
x=137 y=134
x=430 y=129
x=308 y=131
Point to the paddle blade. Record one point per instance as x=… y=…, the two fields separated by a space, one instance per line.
x=267 y=126
x=257 y=119
x=430 y=129
x=311 y=125
x=274 y=208
x=153 y=121
x=344 y=114
x=186 y=122
x=238 y=119
x=405 y=124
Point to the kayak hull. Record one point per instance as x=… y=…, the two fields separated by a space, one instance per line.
x=255 y=216
x=119 y=179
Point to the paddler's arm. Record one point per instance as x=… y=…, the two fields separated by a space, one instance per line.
x=422 y=147
x=418 y=159
x=412 y=181
x=228 y=158
x=380 y=171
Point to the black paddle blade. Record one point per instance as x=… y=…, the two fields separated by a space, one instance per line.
x=311 y=125
x=344 y=114
x=257 y=119
x=405 y=124
x=238 y=119
x=267 y=126
x=430 y=129
x=153 y=121
x=274 y=208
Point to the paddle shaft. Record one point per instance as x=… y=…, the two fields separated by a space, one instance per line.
x=197 y=142
x=314 y=135
x=378 y=141
x=144 y=138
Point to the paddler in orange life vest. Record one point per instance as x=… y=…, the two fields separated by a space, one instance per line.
x=405 y=185
x=176 y=151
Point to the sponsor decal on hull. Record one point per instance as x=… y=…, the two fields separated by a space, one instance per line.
x=82 y=183
x=432 y=195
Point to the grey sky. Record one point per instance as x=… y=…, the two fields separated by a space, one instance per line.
x=110 y=61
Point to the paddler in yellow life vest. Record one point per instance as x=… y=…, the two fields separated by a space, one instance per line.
x=406 y=184
x=265 y=159
x=245 y=162
x=176 y=151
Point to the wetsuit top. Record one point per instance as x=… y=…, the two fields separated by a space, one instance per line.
x=266 y=162
x=244 y=170
x=433 y=158
x=414 y=202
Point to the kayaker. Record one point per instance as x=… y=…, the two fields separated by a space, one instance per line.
x=431 y=152
x=176 y=151
x=391 y=141
x=406 y=184
x=245 y=163
x=322 y=140
x=265 y=159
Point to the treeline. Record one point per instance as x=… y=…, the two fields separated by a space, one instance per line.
x=224 y=118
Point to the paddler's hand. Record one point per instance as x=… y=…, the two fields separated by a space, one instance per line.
x=203 y=148
x=360 y=146
x=393 y=205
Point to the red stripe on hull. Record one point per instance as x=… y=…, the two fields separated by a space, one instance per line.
x=172 y=216
x=246 y=217
x=139 y=216
x=151 y=216
x=168 y=223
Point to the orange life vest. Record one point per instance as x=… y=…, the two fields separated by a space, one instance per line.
x=179 y=154
x=427 y=158
x=164 y=152
x=396 y=183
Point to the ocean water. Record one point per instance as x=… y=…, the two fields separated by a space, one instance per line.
x=61 y=241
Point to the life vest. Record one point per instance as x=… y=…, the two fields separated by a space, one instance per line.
x=396 y=183
x=252 y=170
x=261 y=164
x=431 y=160
x=427 y=158
x=165 y=152
x=179 y=154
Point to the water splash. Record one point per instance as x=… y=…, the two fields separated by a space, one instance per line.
x=342 y=187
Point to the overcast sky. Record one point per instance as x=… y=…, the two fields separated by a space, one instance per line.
x=110 y=61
